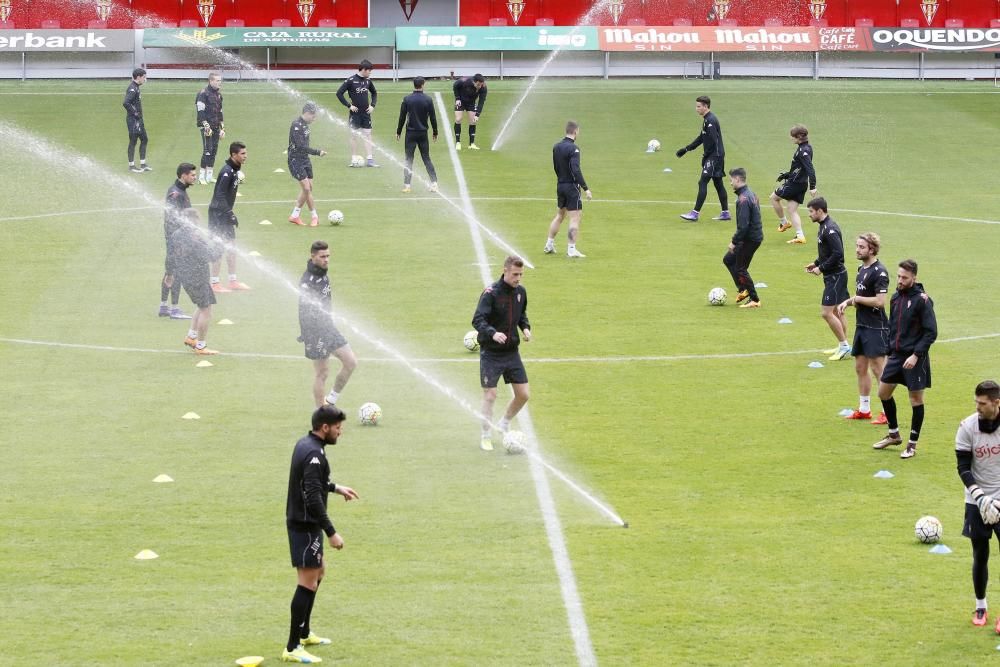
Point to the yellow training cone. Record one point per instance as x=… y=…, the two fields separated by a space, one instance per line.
x=160 y=479
x=146 y=554
x=225 y=321
x=191 y=415
x=204 y=363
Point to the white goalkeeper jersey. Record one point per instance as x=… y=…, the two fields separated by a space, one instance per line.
x=985 y=448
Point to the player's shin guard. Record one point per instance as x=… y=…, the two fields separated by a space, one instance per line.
x=889 y=408
x=301 y=603
x=917 y=422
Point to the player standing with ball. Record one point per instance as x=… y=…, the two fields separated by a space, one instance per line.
x=977 y=448
x=501 y=311
x=747 y=238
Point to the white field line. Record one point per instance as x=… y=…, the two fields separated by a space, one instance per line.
x=232 y=90
x=553 y=526
x=263 y=202
x=466 y=359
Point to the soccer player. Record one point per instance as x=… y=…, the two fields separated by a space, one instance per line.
x=912 y=331
x=359 y=86
x=713 y=160
x=470 y=98
x=208 y=105
x=830 y=264
x=747 y=238
x=191 y=252
x=306 y=519
x=501 y=311
x=300 y=166
x=976 y=445
x=318 y=332
x=800 y=176
x=417 y=112
x=134 y=122
x=178 y=201
x=222 y=221
x=569 y=181
x=871 y=334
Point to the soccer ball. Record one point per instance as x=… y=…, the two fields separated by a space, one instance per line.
x=335 y=217
x=471 y=341
x=928 y=529
x=717 y=296
x=241 y=176
x=370 y=414
x=513 y=442
x=652 y=146
x=357 y=161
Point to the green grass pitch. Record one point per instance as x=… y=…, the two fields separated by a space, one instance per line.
x=757 y=535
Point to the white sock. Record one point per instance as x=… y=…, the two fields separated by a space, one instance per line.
x=844 y=343
x=295 y=211
x=208 y=174
x=192 y=333
x=980 y=604
x=214 y=279
x=504 y=424
x=550 y=242
x=370 y=157
x=332 y=396
x=571 y=246
x=866 y=404
x=200 y=345
x=163 y=304
x=232 y=277
x=313 y=212
x=201 y=173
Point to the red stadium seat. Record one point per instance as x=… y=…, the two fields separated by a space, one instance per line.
x=51 y=24
x=498 y=22
x=189 y=23
x=954 y=23
x=773 y=23
x=636 y=22
x=281 y=23
x=328 y=23
x=819 y=23
x=909 y=23
x=235 y=23
x=864 y=23
x=545 y=21
x=7 y=25
x=96 y=24
x=682 y=22
x=995 y=23
x=728 y=23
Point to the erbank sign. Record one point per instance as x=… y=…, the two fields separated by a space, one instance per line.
x=935 y=39
x=110 y=41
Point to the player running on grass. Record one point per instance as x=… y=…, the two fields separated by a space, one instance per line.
x=470 y=98
x=799 y=177
x=871 y=334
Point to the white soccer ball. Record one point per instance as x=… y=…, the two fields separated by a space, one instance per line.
x=471 y=341
x=335 y=217
x=928 y=529
x=241 y=176
x=717 y=296
x=652 y=146
x=357 y=161
x=513 y=442
x=369 y=414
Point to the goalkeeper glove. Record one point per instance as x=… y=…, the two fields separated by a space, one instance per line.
x=680 y=152
x=988 y=509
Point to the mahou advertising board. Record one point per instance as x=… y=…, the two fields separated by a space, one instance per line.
x=712 y=38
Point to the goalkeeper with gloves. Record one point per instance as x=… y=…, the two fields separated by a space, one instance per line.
x=208 y=104
x=977 y=448
x=713 y=160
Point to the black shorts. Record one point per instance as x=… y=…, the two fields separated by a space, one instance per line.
x=321 y=344
x=974 y=528
x=300 y=169
x=914 y=379
x=465 y=104
x=870 y=343
x=493 y=366
x=198 y=288
x=568 y=197
x=713 y=167
x=835 y=289
x=360 y=120
x=136 y=128
x=792 y=191
x=306 y=548
x=224 y=230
